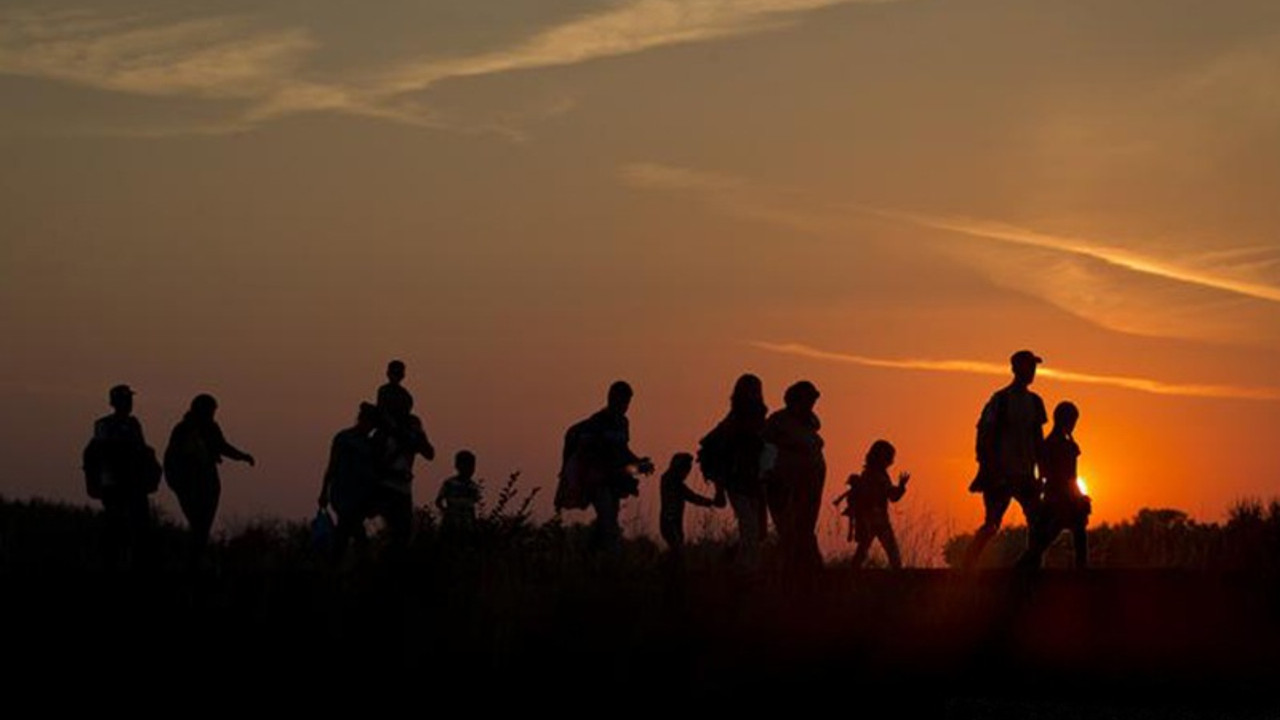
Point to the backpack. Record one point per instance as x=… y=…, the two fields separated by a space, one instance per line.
x=149 y=470
x=578 y=476
x=133 y=468
x=987 y=444
x=854 y=483
x=715 y=458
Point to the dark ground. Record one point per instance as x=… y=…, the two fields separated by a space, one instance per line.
x=533 y=623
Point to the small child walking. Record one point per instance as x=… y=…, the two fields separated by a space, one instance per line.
x=1065 y=507
x=675 y=494
x=459 y=496
x=867 y=504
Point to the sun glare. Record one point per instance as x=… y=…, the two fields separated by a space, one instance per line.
x=1084 y=487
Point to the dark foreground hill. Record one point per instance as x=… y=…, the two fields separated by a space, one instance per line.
x=525 y=618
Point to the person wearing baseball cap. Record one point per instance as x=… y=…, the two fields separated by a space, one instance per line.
x=121 y=470
x=1010 y=438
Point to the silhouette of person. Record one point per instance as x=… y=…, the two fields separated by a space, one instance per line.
x=868 y=501
x=1064 y=506
x=596 y=466
x=401 y=438
x=675 y=494
x=1010 y=436
x=351 y=477
x=795 y=472
x=458 y=496
x=196 y=448
x=729 y=456
x=393 y=398
x=847 y=497
x=121 y=470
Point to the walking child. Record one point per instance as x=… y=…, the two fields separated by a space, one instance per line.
x=1065 y=506
x=459 y=495
x=675 y=494
x=869 y=496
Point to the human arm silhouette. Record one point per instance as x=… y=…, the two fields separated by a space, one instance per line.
x=897 y=491
x=693 y=498
x=227 y=450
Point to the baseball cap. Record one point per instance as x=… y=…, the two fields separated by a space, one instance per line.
x=121 y=391
x=1025 y=356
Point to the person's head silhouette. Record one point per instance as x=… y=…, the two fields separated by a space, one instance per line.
x=121 y=399
x=747 y=389
x=620 y=394
x=464 y=462
x=203 y=407
x=1023 y=363
x=802 y=396
x=367 y=417
x=1065 y=416
x=681 y=464
x=880 y=455
x=395 y=372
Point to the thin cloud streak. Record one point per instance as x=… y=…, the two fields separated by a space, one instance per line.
x=225 y=58
x=978 y=367
x=1207 y=296
x=739 y=196
x=1116 y=256
x=625 y=30
x=212 y=58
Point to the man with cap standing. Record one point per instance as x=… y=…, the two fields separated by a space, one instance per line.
x=121 y=470
x=1010 y=436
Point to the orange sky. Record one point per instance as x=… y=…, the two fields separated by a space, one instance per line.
x=267 y=201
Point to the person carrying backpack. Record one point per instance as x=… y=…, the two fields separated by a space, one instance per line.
x=868 y=501
x=597 y=463
x=729 y=457
x=120 y=471
x=1009 y=443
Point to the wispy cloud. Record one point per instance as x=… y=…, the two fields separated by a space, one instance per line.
x=1226 y=271
x=206 y=58
x=977 y=367
x=1217 y=296
x=1169 y=269
x=228 y=58
x=623 y=30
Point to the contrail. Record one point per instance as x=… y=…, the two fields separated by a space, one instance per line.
x=978 y=367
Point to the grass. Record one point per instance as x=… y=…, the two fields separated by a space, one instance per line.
x=523 y=614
